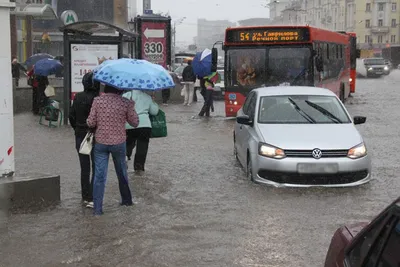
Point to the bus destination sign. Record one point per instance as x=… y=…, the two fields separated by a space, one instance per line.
x=267 y=35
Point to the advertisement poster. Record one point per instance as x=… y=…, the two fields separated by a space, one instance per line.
x=84 y=58
x=154 y=42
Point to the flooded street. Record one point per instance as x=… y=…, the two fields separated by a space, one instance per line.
x=195 y=205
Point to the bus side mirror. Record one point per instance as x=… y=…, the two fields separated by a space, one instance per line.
x=223 y=47
x=319 y=64
x=214 y=58
x=358 y=53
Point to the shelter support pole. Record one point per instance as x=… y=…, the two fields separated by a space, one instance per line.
x=13 y=31
x=67 y=78
x=7 y=162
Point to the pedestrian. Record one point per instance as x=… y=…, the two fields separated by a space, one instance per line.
x=203 y=91
x=42 y=99
x=139 y=136
x=16 y=67
x=32 y=81
x=189 y=78
x=108 y=116
x=209 y=82
x=78 y=115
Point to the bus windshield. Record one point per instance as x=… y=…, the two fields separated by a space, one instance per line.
x=269 y=66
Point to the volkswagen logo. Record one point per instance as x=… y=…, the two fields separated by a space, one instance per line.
x=317 y=153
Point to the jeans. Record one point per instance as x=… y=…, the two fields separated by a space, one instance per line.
x=208 y=103
x=101 y=156
x=86 y=164
x=139 y=137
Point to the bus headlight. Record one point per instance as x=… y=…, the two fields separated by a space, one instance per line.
x=270 y=151
x=350 y=79
x=357 y=152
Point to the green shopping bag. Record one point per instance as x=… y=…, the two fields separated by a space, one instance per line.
x=158 y=125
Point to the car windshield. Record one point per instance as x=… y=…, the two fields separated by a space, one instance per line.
x=221 y=74
x=269 y=66
x=295 y=109
x=374 y=61
x=179 y=70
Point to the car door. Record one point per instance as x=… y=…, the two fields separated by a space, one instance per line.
x=238 y=132
x=379 y=246
x=246 y=130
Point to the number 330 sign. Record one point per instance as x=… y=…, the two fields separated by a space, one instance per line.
x=153 y=48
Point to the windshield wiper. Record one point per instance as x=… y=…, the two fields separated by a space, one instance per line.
x=301 y=112
x=324 y=111
x=298 y=76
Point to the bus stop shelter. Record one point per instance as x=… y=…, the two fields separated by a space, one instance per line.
x=86 y=45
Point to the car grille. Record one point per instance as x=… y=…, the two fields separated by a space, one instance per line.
x=308 y=153
x=378 y=69
x=313 y=179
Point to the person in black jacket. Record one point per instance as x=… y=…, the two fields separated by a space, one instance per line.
x=189 y=78
x=77 y=117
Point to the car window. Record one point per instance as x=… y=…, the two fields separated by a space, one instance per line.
x=252 y=106
x=363 y=244
x=247 y=103
x=279 y=109
x=390 y=256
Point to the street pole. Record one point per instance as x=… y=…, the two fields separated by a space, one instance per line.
x=7 y=162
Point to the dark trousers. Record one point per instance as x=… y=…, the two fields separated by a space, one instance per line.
x=165 y=95
x=139 y=138
x=35 y=102
x=195 y=95
x=203 y=92
x=86 y=163
x=208 y=103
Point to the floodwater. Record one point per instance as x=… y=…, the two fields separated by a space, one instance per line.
x=195 y=205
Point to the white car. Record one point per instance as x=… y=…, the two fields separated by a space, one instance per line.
x=301 y=137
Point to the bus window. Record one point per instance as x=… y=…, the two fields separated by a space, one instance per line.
x=246 y=67
x=290 y=65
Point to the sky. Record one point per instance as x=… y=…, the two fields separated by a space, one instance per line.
x=232 y=10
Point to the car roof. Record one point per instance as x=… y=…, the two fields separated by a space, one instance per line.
x=293 y=90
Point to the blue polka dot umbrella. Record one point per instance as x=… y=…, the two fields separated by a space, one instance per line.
x=133 y=74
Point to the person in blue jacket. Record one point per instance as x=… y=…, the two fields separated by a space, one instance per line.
x=139 y=137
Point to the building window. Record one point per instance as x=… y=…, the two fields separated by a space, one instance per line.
x=367 y=23
x=380 y=22
x=394 y=23
x=380 y=39
x=381 y=6
x=393 y=38
x=394 y=6
x=368 y=7
x=368 y=39
x=37 y=1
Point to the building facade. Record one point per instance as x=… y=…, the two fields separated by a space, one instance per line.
x=211 y=31
x=376 y=23
x=326 y=14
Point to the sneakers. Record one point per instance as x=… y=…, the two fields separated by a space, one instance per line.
x=88 y=204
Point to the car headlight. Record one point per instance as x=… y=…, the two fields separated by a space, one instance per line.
x=370 y=69
x=357 y=152
x=270 y=151
x=386 y=68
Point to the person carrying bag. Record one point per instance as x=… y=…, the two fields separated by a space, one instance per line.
x=139 y=136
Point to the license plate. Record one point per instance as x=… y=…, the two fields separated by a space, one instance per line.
x=379 y=72
x=317 y=168
x=232 y=96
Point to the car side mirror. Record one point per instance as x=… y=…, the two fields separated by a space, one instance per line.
x=359 y=120
x=244 y=120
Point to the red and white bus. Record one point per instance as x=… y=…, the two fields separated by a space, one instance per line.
x=284 y=55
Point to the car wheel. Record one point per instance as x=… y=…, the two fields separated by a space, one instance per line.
x=249 y=170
